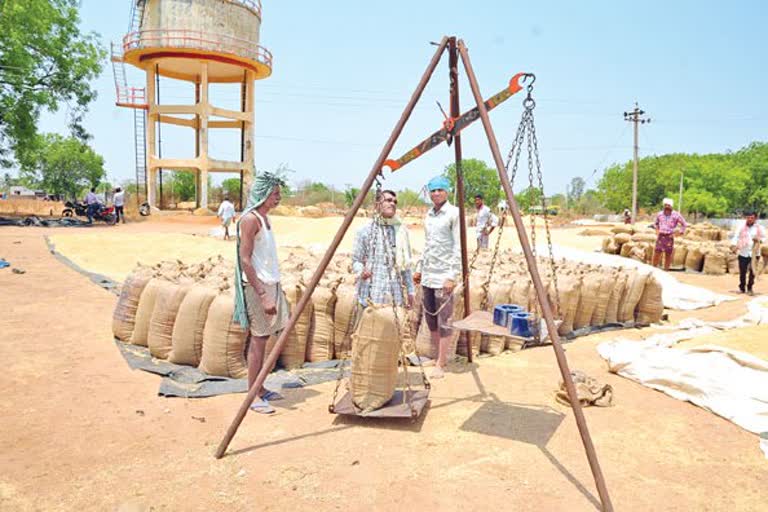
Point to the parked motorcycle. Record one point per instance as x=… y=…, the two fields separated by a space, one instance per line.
x=103 y=213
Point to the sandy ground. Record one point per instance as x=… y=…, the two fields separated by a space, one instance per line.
x=81 y=431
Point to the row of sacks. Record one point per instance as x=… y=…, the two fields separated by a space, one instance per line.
x=695 y=232
x=589 y=296
x=714 y=258
x=183 y=313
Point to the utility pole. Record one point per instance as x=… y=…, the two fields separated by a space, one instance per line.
x=634 y=117
x=680 y=199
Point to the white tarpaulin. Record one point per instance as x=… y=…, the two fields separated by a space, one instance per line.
x=674 y=294
x=730 y=383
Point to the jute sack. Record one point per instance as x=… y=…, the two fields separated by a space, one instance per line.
x=187 y=337
x=622 y=238
x=626 y=249
x=476 y=296
x=124 y=316
x=588 y=298
x=144 y=312
x=320 y=347
x=223 y=341
x=694 y=260
x=644 y=237
x=622 y=229
x=569 y=287
x=635 y=288
x=375 y=351
x=167 y=303
x=650 y=308
x=637 y=253
x=603 y=296
x=345 y=319
x=733 y=263
x=678 y=257
x=498 y=293
x=295 y=349
x=617 y=292
x=521 y=292
x=715 y=263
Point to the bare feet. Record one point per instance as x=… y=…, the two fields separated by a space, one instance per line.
x=437 y=372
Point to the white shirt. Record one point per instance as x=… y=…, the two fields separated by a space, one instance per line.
x=442 y=250
x=119 y=198
x=226 y=210
x=485 y=219
x=754 y=232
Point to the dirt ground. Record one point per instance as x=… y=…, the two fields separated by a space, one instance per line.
x=81 y=431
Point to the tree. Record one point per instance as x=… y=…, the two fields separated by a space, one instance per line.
x=528 y=197
x=62 y=166
x=231 y=187
x=479 y=178
x=44 y=61
x=349 y=196
x=576 y=189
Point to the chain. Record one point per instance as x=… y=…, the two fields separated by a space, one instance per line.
x=487 y=284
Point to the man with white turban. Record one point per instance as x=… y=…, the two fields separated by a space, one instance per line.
x=667 y=221
x=260 y=304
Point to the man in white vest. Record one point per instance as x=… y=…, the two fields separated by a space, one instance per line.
x=260 y=304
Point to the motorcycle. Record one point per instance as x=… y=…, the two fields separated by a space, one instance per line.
x=103 y=213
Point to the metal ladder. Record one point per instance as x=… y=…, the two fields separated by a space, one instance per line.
x=140 y=148
x=137 y=14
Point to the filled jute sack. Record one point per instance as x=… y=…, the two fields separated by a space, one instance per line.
x=320 y=346
x=678 y=257
x=622 y=238
x=590 y=294
x=626 y=249
x=375 y=352
x=733 y=263
x=345 y=320
x=187 y=337
x=520 y=294
x=223 y=341
x=715 y=263
x=144 y=312
x=607 y=283
x=617 y=292
x=622 y=229
x=650 y=308
x=638 y=253
x=167 y=303
x=295 y=349
x=124 y=316
x=694 y=259
x=498 y=293
x=635 y=287
x=569 y=287
x=476 y=295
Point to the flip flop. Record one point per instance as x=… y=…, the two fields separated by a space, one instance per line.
x=271 y=395
x=261 y=406
x=437 y=373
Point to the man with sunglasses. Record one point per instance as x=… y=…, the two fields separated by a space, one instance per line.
x=378 y=246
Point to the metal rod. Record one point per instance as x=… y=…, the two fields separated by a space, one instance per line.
x=243 y=92
x=546 y=310
x=453 y=62
x=159 y=132
x=273 y=355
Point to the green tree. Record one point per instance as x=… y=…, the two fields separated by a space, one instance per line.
x=62 y=165
x=479 y=178
x=576 y=189
x=527 y=198
x=231 y=187
x=349 y=196
x=45 y=60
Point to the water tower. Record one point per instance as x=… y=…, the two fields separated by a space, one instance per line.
x=201 y=42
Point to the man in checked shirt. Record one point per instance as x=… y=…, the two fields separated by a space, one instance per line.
x=369 y=262
x=666 y=224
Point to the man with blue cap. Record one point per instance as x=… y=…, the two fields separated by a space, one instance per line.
x=439 y=267
x=260 y=305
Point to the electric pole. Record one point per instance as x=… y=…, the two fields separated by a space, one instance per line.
x=634 y=117
x=680 y=200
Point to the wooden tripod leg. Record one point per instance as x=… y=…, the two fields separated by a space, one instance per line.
x=453 y=62
x=272 y=358
x=538 y=285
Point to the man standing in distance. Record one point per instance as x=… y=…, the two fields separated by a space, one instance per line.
x=225 y=214
x=118 y=199
x=260 y=304
x=439 y=266
x=748 y=237
x=486 y=222
x=666 y=225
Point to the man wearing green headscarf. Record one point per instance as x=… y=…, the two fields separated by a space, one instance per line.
x=260 y=304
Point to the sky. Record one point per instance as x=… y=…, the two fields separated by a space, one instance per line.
x=345 y=69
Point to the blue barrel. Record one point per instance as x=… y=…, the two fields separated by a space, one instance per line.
x=509 y=310
x=519 y=325
x=504 y=311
